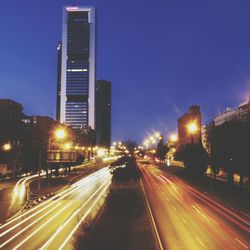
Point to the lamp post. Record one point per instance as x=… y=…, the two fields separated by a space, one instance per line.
x=58 y=134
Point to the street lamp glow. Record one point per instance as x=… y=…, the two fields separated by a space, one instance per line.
x=192 y=128
x=157 y=134
x=60 y=134
x=100 y=152
x=67 y=146
x=6 y=147
x=173 y=138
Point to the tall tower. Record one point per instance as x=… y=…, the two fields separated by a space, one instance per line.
x=103 y=113
x=59 y=75
x=77 y=92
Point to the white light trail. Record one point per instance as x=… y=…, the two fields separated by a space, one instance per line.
x=83 y=218
x=39 y=228
x=61 y=195
x=73 y=215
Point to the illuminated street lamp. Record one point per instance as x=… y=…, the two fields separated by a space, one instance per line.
x=6 y=147
x=192 y=129
x=157 y=135
x=100 y=152
x=173 y=138
x=60 y=133
x=67 y=146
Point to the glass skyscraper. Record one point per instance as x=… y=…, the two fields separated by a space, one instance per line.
x=77 y=62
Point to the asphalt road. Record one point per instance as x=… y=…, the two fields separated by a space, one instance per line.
x=53 y=223
x=187 y=219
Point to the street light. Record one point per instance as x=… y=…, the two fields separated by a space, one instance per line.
x=192 y=129
x=173 y=138
x=100 y=152
x=6 y=147
x=157 y=135
x=67 y=146
x=60 y=133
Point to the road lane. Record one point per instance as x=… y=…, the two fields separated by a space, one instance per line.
x=187 y=219
x=49 y=224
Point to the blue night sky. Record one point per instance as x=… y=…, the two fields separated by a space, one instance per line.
x=162 y=56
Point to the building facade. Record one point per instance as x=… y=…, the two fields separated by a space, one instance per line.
x=11 y=121
x=192 y=117
x=103 y=113
x=77 y=82
x=228 y=115
x=240 y=114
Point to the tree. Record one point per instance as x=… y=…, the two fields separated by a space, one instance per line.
x=130 y=144
x=195 y=158
x=162 y=149
x=230 y=149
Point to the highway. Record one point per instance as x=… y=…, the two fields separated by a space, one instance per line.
x=187 y=219
x=53 y=223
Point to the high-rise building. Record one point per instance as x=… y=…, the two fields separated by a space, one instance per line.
x=59 y=73
x=103 y=113
x=76 y=91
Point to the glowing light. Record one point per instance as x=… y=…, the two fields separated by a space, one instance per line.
x=173 y=138
x=67 y=146
x=100 y=152
x=6 y=147
x=192 y=127
x=60 y=134
x=157 y=134
x=71 y=8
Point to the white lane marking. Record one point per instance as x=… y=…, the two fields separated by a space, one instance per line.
x=152 y=220
x=241 y=243
x=197 y=238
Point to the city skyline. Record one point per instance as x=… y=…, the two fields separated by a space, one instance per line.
x=152 y=95
x=125 y=125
